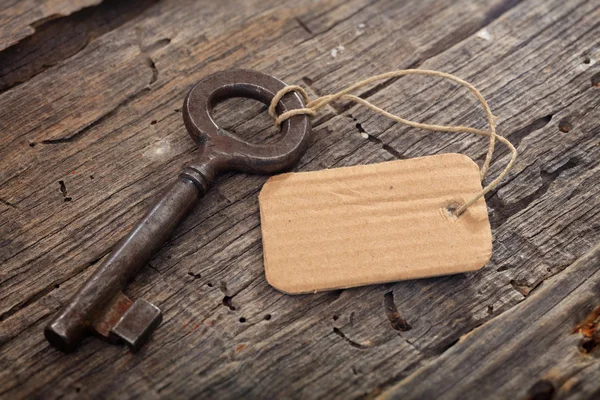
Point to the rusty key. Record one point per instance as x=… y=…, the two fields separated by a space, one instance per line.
x=100 y=305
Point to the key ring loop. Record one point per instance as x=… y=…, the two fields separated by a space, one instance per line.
x=224 y=150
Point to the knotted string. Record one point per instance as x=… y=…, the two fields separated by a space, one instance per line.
x=313 y=106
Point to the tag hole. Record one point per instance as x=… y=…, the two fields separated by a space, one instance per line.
x=450 y=210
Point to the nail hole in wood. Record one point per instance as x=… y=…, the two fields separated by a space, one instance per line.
x=227 y=302
x=541 y=390
x=195 y=276
x=396 y=321
x=596 y=80
x=63 y=187
x=564 y=125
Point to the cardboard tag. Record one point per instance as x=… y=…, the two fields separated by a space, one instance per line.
x=367 y=224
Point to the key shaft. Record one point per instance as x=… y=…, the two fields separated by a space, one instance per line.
x=133 y=252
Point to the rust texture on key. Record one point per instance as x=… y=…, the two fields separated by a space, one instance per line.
x=97 y=305
x=112 y=314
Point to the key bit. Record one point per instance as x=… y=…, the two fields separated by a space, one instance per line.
x=99 y=306
x=127 y=321
x=137 y=323
x=103 y=324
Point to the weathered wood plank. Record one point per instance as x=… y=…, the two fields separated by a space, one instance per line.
x=526 y=350
x=60 y=38
x=226 y=332
x=18 y=18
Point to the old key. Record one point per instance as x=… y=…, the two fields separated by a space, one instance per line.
x=100 y=305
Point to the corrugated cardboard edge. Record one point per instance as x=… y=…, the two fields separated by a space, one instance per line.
x=281 y=286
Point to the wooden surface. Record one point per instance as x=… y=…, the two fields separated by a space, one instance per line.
x=91 y=131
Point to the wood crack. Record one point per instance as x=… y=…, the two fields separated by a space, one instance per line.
x=502 y=212
x=7 y=203
x=391 y=311
x=351 y=342
x=372 y=138
x=303 y=25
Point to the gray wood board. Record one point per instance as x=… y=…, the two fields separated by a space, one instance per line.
x=528 y=351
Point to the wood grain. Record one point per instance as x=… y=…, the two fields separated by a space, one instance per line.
x=89 y=141
x=530 y=349
x=18 y=18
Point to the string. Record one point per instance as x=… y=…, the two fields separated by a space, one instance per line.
x=312 y=107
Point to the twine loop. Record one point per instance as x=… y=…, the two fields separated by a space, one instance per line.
x=312 y=107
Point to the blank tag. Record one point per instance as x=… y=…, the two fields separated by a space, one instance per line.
x=367 y=224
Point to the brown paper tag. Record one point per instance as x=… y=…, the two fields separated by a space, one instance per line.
x=367 y=224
